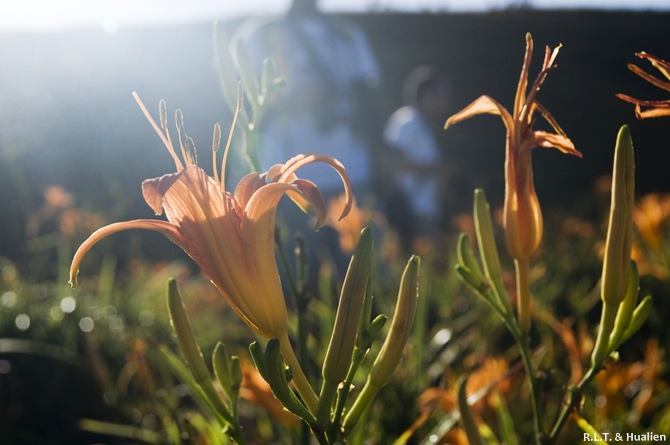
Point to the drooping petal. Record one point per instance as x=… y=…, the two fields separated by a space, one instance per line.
x=658 y=63
x=299 y=161
x=657 y=108
x=482 y=105
x=550 y=140
x=167 y=229
x=312 y=197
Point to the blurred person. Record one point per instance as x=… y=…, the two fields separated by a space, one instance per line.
x=325 y=108
x=417 y=167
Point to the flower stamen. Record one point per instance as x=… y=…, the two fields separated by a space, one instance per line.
x=165 y=137
x=240 y=102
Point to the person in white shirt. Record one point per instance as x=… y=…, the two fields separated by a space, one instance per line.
x=418 y=167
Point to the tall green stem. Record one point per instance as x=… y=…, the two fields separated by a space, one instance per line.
x=523 y=294
x=536 y=397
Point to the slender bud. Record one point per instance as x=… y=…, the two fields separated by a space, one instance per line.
x=182 y=327
x=485 y=239
x=616 y=264
x=391 y=352
x=401 y=325
x=619 y=233
x=347 y=321
x=343 y=338
x=227 y=370
x=276 y=377
x=488 y=250
x=466 y=258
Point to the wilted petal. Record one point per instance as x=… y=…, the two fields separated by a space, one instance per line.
x=163 y=227
x=520 y=98
x=482 y=105
x=551 y=140
x=657 y=108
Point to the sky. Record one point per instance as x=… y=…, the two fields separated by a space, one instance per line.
x=110 y=15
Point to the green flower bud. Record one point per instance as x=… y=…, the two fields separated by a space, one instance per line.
x=276 y=378
x=224 y=366
x=343 y=338
x=182 y=327
x=391 y=352
x=347 y=321
x=485 y=239
x=616 y=264
x=619 y=233
x=466 y=258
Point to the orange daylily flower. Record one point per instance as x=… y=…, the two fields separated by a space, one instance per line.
x=657 y=108
x=230 y=236
x=522 y=214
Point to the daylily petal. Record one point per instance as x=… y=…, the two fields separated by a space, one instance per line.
x=660 y=64
x=520 y=98
x=248 y=186
x=549 y=118
x=163 y=227
x=154 y=189
x=551 y=140
x=293 y=164
x=658 y=108
x=654 y=112
x=649 y=78
x=482 y=105
x=275 y=173
x=310 y=194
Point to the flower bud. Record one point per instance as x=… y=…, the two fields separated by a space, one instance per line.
x=343 y=338
x=391 y=352
x=182 y=327
x=347 y=321
x=616 y=264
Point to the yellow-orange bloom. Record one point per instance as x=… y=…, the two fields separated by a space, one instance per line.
x=230 y=236
x=522 y=214
x=657 y=108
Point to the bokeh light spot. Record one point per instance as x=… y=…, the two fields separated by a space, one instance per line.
x=68 y=305
x=86 y=324
x=22 y=322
